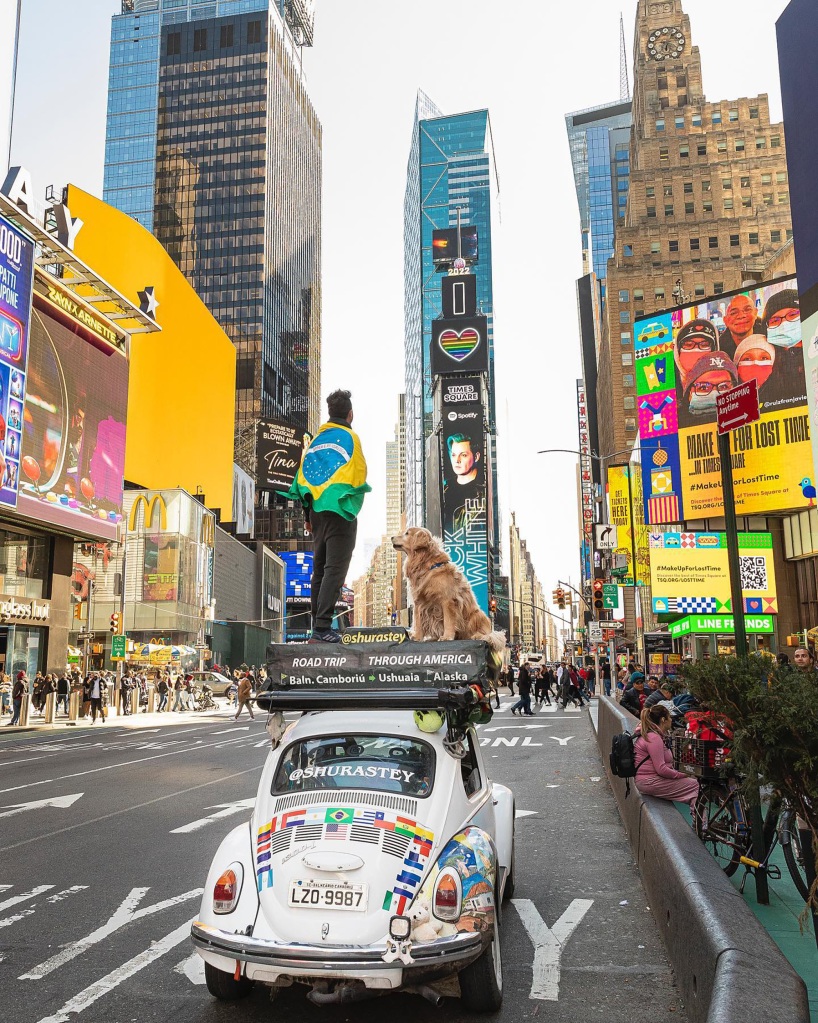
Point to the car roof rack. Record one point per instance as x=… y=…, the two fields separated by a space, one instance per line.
x=390 y=674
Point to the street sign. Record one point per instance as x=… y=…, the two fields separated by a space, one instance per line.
x=82 y=636
x=610 y=596
x=119 y=646
x=595 y=632
x=606 y=538
x=737 y=407
x=613 y=626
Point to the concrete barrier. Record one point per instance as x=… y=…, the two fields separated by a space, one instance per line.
x=728 y=968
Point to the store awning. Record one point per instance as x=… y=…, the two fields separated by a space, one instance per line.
x=721 y=625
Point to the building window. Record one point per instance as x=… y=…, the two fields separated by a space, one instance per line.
x=627 y=379
x=245 y=373
x=668 y=209
x=789 y=234
x=766 y=179
x=728 y=204
x=680 y=123
x=716 y=118
x=650 y=192
x=739 y=145
x=668 y=190
x=746 y=202
x=783 y=198
x=682 y=100
x=707 y=206
x=661 y=82
x=629 y=402
x=697 y=120
x=781 y=177
x=174 y=44
x=689 y=207
x=660 y=125
x=735 y=241
x=775 y=237
x=718 y=288
x=722 y=146
x=625 y=337
x=684 y=152
x=673 y=246
x=199 y=39
x=694 y=245
x=688 y=188
x=226 y=36
x=705 y=186
x=624 y=316
x=699 y=291
x=745 y=181
x=630 y=425
x=624 y=295
x=659 y=294
x=754 y=113
x=627 y=359
x=775 y=141
x=627 y=251
x=754 y=237
x=651 y=211
x=713 y=242
x=727 y=184
x=655 y=248
x=701 y=149
x=768 y=198
x=639 y=294
x=761 y=142
x=253 y=31
x=681 y=81
x=663 y=155
x=732 y=115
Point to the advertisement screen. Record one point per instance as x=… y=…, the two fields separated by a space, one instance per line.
x=463 y=482
x=690 y=574
x=460 y=345
x=298 y=569
x=16 y=281
x=73 y=443
x=160 y=579
x=686 y=358
x=279 y=447
x=444 y=245
x=620 y=513
x=244 y=501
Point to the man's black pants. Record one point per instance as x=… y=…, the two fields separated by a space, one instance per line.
x=334 y=540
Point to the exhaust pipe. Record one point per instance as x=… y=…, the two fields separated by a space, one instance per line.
x=343 y=994
x=430 y=995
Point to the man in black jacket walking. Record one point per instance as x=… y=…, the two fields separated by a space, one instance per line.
x=524 y=689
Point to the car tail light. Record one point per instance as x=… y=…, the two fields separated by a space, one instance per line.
x=447 y=896
x=227 y=889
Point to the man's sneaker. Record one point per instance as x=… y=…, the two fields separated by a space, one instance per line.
x=326 y=636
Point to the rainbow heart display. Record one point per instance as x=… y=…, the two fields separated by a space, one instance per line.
x=459 y=346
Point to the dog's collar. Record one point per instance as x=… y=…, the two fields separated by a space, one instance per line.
x=439 y=564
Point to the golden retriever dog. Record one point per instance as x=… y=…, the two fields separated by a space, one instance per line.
x=445 y=607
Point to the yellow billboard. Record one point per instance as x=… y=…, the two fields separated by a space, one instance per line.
x=689 y=573
x=182 y=390
x=620 y=509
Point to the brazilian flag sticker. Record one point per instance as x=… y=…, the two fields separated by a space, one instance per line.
x=338 y=815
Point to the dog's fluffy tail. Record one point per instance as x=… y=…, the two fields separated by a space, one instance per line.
x=496 y=640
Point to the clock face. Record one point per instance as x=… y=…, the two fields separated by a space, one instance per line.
x=665 y=44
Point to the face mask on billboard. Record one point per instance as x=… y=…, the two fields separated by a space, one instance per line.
x=701 y=403
x=759 y=371
x=786 y=335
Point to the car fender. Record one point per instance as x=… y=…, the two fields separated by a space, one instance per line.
x=504 y=823
x=235 y=848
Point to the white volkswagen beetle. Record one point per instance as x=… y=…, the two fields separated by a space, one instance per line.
x=375 y=861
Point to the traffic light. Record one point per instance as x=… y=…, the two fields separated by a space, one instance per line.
x=561 y=599
x=599 y=603
x=555 y=596
x=116 y=620
x=493 y=604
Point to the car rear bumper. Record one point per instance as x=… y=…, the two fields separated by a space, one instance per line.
x=446 y=955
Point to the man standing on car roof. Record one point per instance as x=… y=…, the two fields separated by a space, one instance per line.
x=331 y=484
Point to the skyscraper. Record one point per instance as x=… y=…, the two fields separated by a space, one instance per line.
x=9 y=33
x=451 y=169
x=213 y=144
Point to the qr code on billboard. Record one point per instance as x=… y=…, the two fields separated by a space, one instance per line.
x=753 y=573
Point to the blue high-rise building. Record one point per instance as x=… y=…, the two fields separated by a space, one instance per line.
x=212 y=144
x=451 y=170
x=600 y=153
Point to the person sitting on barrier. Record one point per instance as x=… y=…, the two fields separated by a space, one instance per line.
x=633 y=699
x=655 y=773
x=662 y=692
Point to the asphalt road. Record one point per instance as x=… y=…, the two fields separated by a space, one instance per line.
x=101 y=877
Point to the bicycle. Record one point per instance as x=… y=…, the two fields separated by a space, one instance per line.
x=721 y=816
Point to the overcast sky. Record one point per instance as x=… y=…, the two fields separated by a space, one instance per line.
x=529 y=63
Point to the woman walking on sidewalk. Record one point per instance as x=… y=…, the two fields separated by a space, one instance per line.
x=244 y=693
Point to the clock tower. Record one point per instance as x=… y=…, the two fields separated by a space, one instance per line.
x=667 y=67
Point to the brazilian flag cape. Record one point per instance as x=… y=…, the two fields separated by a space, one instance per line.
x=332 y=474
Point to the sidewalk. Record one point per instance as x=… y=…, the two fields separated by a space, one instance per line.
x=141 y=720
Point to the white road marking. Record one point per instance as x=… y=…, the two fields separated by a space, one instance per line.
x=192 y=968
x=63 y=802
x=562 y=742
x=241 y=728
x=224 y=810
x=17 y=899
x=9 y=920
x=529 y=741
x=549 y=944
x=68 y=891
x=113 y=979
x=499 y=728
x=258 y=745
x=125 y=914
x=525 y=813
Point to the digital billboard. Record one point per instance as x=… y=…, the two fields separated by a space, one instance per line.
x=279 y=447
x=685 y=358
x=160 y=576
x=244 y=501
x=463 y=481
x=690 y=573
x=16 y=281
x=73 y=441
x=620 y=514
x=298 y=575
x=444 y=245
x=460 y=345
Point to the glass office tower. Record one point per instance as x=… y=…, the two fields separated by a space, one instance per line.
x=213 y=145
x=451 y=168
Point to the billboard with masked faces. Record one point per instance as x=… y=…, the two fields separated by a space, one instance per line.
x=688 y=356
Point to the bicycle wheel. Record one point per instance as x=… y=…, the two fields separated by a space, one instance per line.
x=717 y=824
x=790 y=839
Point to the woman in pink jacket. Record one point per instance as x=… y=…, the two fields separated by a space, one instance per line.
x=655 y=773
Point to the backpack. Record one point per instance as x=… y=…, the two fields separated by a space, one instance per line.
x=623 y=759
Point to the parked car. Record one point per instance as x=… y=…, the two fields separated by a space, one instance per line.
x=375 y=859
x=217 y=682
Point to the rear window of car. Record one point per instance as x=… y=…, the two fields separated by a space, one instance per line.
x=378 y=763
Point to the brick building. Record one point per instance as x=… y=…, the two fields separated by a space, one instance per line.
x=708 y=205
